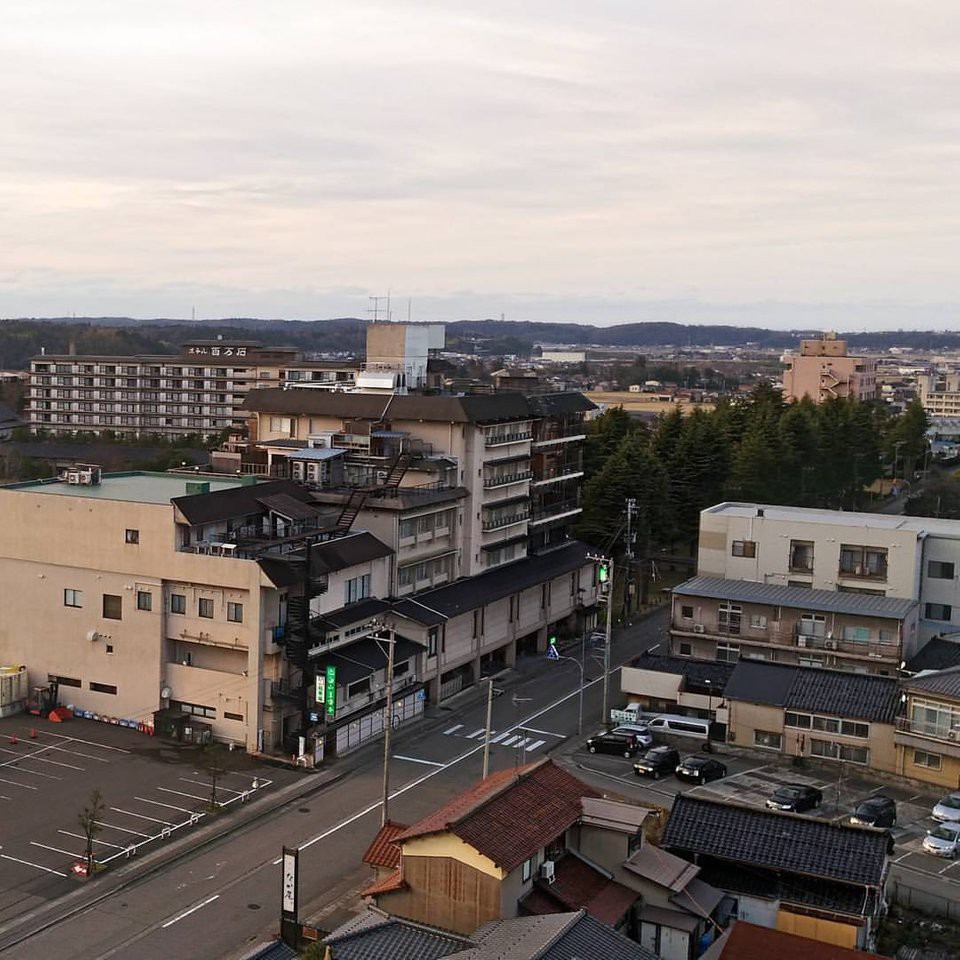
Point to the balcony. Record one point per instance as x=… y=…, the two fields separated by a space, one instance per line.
x=508 y=520
x=500 y=439
x=504 y=479
x=934 y=737
x=556 y=510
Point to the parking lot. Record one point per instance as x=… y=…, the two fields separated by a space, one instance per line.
x=750 y=781
x=152 y=791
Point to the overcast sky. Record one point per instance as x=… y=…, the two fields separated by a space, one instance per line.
x=773 y=162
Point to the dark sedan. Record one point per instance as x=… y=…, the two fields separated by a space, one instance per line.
x=700 y=769
x=795 y=797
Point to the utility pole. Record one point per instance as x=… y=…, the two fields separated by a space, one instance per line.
x=486 y=735
x=387 y=723
x=606 y=585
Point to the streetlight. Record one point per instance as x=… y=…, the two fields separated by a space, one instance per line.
x=709 y=686
x=554 y=654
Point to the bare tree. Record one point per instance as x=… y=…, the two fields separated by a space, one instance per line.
x=90 y=822
x=217 y=761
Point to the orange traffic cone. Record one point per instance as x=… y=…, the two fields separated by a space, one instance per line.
x=33 y=733
x=13 y=739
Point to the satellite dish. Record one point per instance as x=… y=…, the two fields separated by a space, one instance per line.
x=92 y=635
x=164 y=693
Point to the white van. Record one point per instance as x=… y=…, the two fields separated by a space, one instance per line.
x=669 y=725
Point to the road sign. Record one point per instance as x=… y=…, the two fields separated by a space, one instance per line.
x=321 y=693
x=552 y=652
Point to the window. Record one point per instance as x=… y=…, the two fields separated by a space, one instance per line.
x=857 y=561
x=937 y=611
x=839 y=751
x=194 y=709
x=806 y=660
x=758 y=622
x=728 y=617
x=856 y=634
x=767 y=739
x=801 y=720
x=432 y=635
x=686 y=612
x=932 y=761
x=802 y=584
x=813 y=625
x=103 y=688
x=744 y=548
x=64 y=681
x=850 y=728
x=527 y=871
x=728 y=652
x=178 y=603
x=235 y=612
x=232 y=716
x=686 y=649
x=144 y=600
x=109 y=648
x=801 y=556
x=826 y=724
x=358 y=687
x=205 y=608
x=132 y=536
x=72 y=598
x=357 y=589
x=112 y=607
x=939 y=570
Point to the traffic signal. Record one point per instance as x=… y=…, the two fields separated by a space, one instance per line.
x=552 y=652
x=604 y=572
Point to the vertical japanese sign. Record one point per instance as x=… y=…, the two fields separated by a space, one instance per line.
x=289 y=890
x=331 y=683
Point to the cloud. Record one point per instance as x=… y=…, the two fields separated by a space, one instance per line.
x=614 y=154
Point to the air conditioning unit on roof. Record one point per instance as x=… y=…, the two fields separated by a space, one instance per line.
x=548 y=869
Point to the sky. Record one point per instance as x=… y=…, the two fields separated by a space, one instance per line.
x=767 y=162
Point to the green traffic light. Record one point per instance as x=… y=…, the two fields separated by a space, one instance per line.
x=604 y=573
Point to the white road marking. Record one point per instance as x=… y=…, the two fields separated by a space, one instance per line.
x=520 y=743
x=13 y=783
x=27 y=863
x=180 y=793
x=45 y=846
x=429 y=763
x=113 y=826
x=452 y=730
x=535 y=745
x=546 y=733
x=186 y=913
x=499 y=737
x=89 y=743
x=511 y=740
x=35 y=754
x=140 y=816
x=743 y=773
x=206 y=783
x=476 y=733
x=157 y=803
x=80 y=836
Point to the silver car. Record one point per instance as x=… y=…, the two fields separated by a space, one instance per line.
x=943 y=841
x=948 y=809
x=639 y=730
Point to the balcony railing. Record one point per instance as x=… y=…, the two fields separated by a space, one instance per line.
x=504 y=479
x=934 y=731
x=498 y=439
x=859 y=572
x=496 y=523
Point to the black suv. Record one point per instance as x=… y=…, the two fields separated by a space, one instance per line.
x=795 y=797
x=656 y=762
x=879 y=811
x=624 y=744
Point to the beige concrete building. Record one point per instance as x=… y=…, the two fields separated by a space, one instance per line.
x=822 y=370
x=870 y=554
x=928 y=733
x=940 y=394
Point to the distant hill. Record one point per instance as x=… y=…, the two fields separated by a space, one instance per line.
x=21 y=339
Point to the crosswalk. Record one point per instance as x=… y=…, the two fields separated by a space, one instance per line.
x=519 y=740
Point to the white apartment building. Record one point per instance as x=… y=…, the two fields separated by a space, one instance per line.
x=878 y=555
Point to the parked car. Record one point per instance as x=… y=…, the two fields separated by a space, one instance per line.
x=701 y=769
x=639 y=730
x=795 y=797
x=669 y=725
x=657 y=762
x=943 y=841
x=948 y=809
x=878 y=811
x=624 y=744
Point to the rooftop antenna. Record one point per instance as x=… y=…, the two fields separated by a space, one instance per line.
x=409 y=304
x=193 y=313
x=374 y=309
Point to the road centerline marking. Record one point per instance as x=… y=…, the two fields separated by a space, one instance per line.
x=186 y=913
x=429 y=763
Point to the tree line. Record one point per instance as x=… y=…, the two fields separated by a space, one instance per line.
x=755 y=449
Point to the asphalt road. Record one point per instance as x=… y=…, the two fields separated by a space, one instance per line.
x=219 y=900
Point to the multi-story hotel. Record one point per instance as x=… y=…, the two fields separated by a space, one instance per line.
x=201 y=391
x=823 y=371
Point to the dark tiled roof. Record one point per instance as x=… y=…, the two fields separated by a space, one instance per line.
x=383 y=851
x=355 y=613
x=374 y=936
x=578 y=885
x=289 y=507
x=937 y=654
x=746 y=941
x=277 y=950
x=241 y=501
x=771 y=594
x=944 y=682
x=557 y=404
x=693 y=671
x=363 y=657
x=835 y=692
x=328 y=556
x=511 y=814
x=468 y=594
x=367 y=406
x=560 y=936
x=777 y=841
